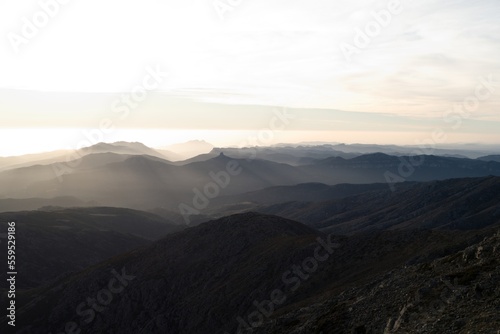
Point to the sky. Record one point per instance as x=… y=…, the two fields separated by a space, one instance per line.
x=166 y=71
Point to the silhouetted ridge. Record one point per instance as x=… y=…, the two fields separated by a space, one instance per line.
x=233 y=232
x=258 y=224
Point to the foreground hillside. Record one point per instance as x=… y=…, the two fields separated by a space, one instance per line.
x=451 y=295
x=51 y=243
x=215 y=277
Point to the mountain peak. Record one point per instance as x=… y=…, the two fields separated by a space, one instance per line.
x=222 y=157
x=122 y=147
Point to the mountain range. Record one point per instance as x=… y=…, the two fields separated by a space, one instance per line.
x=302 y=239
x=114 y=175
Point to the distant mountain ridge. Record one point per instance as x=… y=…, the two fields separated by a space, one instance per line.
x=495 y=158
x=188 y=149
x=464 y=204
x=313 y=192
x=113 y=179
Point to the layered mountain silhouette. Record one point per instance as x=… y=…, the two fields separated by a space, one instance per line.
x=187 y=150
x=114 y=175
x=449 y=204
x=283 y=239
x=122 y=148
x=490 y=158
x=29 y=204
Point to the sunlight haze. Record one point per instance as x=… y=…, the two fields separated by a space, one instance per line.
x=237 y=65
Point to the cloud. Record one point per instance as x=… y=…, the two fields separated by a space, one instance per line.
x=265 y=53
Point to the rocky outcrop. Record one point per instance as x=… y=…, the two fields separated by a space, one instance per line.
x=458 y=293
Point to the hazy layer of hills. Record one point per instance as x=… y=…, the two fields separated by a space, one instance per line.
x=490 y=158
x=36 y=203
x=135 y=176
x=296 y=239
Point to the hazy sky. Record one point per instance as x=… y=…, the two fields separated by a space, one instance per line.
x=221 y=67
